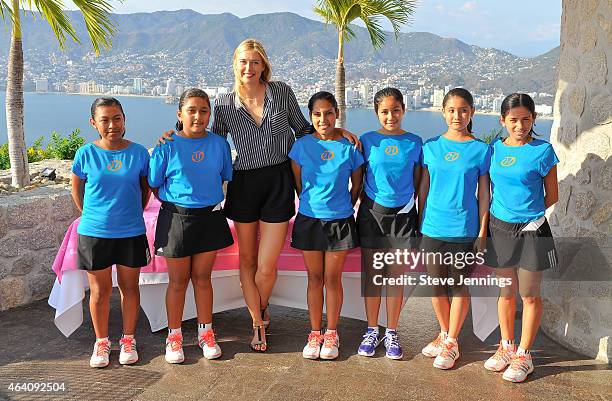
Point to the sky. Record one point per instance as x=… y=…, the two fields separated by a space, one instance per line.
x=523 y=27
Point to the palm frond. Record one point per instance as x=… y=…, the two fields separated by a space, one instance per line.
x=99 y=26
x=52 y=12
x=4 y=7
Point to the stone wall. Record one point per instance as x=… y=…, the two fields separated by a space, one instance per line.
x=579 y=314
x=32 y=226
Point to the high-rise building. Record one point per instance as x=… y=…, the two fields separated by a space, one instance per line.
x=438 y=97
x=42 y=85
x=137 y=85
x=170 y=87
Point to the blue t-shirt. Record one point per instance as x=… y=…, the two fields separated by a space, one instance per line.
x=189 y=172
x=390 y=161
x=517 y=174
x=451 y=208
x=326 y=171
x=112 y=203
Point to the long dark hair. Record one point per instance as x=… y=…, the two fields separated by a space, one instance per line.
x=388 y=92
x=463 y=94
x=322 y=96
x=519 y=100
x=189 y=93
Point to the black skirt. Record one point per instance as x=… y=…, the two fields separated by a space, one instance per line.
x=380 y=227
x=184 y=231
x=96 y=253
x=516 y=245
x=311 y=234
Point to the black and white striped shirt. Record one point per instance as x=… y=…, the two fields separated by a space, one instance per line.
x=268 y=144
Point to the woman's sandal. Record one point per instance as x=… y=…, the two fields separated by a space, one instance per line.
x=259 y=332
x=266 y=323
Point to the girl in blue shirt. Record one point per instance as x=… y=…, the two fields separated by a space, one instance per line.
x=524 y=185
x=387 y=218
x=109 y=187
x=454 y=203
x=187 y=176
x=324 y=229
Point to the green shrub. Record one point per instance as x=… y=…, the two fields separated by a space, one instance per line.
x=493 y=135
x=36 y=152
x=4 y=157
x=64 y=148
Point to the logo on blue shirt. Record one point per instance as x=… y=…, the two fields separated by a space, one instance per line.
x=197 y=156
x=327 y=155
x=114 y=165
x=508 y=161
x=391 y=150
x=451 y=156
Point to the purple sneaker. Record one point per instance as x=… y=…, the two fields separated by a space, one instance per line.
x=369 y=343
x=392 y=344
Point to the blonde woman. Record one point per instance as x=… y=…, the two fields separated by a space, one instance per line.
x=264 y=119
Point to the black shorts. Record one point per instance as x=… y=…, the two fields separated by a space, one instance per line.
x=266 y=194
x=311 y=234
x=448 y=258
x=184 y=231
x=382 y=227
x=510 y=246
x=96 y=253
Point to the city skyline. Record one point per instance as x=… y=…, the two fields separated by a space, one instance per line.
x=523 y=28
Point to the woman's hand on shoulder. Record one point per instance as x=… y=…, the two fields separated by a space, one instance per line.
x=352 y=138
x=166 y=136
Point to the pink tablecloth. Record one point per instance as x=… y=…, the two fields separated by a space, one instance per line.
x=227 y=259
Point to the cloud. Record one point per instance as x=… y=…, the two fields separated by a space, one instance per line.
x=440 y=8
x=469 y=6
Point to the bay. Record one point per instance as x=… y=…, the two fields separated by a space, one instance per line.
x=148 y=117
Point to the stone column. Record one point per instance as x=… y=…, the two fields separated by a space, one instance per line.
x=578 y=314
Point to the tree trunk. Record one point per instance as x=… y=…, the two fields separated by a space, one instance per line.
x=18 y=155
x=340 y=83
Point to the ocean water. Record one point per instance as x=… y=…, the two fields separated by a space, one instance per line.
x=148 y=117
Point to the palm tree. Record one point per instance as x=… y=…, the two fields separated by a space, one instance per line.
x=99 y=28
x=342 y=12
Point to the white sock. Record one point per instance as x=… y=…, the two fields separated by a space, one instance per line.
x=451 y=340
x=444 y=334
x=522 y=351
x=173 y=331
x=373 y=328
x=387 y=330
x=317 y=332
x=508 y=344
x=204 y=327
x=331 y=331
x=101 y=339
x=128 y=336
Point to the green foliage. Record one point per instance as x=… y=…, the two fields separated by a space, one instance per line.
x=65 y=148
x=36 y=152
x=493 y=134
x=58 y=148
x=4 y=157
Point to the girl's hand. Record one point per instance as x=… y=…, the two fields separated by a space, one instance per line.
x=166 y=136
x=480 y=245
x=351 y=137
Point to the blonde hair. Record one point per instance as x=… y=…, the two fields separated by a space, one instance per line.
x=249 y=45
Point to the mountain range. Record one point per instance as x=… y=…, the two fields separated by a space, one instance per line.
x=288 y=33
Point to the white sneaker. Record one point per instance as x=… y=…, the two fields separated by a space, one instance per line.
x=434 y=348
x=174 y=348
x=128 y=354
x=210 y=348
x=520 y=368
x=448 y=356
x=331 y=343
x=312 y=349
x=101 y=351
x=502 y=358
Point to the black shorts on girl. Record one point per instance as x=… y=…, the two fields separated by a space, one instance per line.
x=381 y=227
x=311 y=234
x=529 y=246
x=96 y=253
x=265 y=194
x=185 y=231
